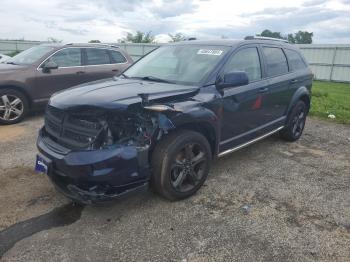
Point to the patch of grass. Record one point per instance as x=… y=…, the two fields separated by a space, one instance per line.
x=331 y=98
x=13 y=53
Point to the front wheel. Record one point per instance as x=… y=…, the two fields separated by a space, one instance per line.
x=13 y=106
x=296 y=122
x=181 y=163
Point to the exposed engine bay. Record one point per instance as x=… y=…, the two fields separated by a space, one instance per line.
x=138 y=129
x=94 y=128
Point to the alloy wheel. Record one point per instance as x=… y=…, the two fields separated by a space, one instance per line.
x=188 y=167
x=11 y=107
x=298 y=121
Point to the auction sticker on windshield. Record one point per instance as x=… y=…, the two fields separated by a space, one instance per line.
x=209 y=52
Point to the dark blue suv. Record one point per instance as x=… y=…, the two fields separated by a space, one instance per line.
x=170 y=114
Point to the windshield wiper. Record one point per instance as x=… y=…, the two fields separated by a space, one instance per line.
x=124 y=75
x=156 y=79
x=10 y=63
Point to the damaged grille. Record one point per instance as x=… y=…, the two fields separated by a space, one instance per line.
x=94 y=128
x=72 y=131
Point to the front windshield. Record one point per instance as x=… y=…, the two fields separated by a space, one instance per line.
x=30 y=55
x=181 y=64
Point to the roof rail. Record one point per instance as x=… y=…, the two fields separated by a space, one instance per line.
x=250 y=37
x=101 y=44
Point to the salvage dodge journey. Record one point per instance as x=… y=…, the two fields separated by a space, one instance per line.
x=163 y=121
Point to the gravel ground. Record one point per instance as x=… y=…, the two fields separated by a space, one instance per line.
x=272 y=201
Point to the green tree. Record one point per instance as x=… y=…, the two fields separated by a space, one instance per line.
x=303 y=37
x=139 y=37
x=177 y=37
x=269 y=33
x=94 y=41
x=53 y=40
x=291 y=38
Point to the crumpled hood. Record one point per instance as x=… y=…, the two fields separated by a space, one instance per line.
x=117 y=93
x=8 y=68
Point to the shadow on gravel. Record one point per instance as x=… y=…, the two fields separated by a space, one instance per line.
x=60 y=216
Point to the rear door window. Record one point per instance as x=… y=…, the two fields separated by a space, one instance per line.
x=276 y=61
x=246 y=60
x=67 y=57
x=295 y=60
x=97 y=56
x=117 y=57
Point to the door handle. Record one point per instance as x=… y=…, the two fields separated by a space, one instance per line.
x=80 y=72
x=263 y=90
x=294 y=81
x=115 y=70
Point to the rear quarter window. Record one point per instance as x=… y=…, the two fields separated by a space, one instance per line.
x=97 y=56
x=276 y=61
x=295 y=60
x=117 y=57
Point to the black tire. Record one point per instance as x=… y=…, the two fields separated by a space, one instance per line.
x=172 y=155
x=9 y=112
x=295 y=123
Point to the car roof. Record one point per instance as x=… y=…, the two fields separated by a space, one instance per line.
x=222 y=42
x=60 y=45
x=235 y=42
x=218 y=42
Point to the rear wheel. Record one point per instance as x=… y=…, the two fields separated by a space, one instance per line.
x=296 y=122
x=181 y=163
x=13 y=106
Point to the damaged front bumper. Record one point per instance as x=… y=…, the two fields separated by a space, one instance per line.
x=92 y=176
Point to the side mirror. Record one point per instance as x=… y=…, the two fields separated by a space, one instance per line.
x=49 y=66
x=232 y=79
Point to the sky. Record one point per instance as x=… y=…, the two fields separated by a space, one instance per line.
x=110 y=20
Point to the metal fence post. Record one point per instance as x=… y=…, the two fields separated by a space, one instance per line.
x=332 y=65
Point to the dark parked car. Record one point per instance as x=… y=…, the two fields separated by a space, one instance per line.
x=29 y=79
x=170 y=114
